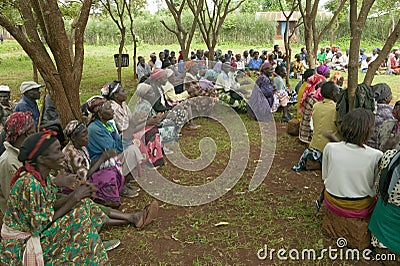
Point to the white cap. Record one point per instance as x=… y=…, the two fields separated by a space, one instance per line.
x=29 y=85
x=4 y=88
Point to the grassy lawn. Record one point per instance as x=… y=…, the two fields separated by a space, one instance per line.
x=280 y=213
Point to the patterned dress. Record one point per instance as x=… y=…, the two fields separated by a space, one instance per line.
x=73 y=239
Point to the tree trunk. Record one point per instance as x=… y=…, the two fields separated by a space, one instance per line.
x=35 y=73
x=61 y=74
x=357 y=22
x=374 y=66
x=355 y=39
x=134 y=55
x=333 y=32
x=309 y=46
x=120 y=50
x=211 y=52
x=185 y=50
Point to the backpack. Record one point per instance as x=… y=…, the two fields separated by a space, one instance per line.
x=364 y=98
x=150 y=144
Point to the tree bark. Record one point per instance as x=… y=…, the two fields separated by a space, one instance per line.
x=374 y=66
x=63 y=75
x=312 y=37
x=210 y=21
x=183 y=35
x=357 y=22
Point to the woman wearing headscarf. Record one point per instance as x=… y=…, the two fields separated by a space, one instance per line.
x=77 y=162
x=308 y=99
x=145 y=117
x=308 y=73
x=18 y=127
x=262 y=96
x=383 y=96
x=158 y=81
x=39 y=230
x=324 y=121
x=116 y=94
x=103 y=136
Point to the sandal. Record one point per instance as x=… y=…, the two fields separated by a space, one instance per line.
x=150 y=212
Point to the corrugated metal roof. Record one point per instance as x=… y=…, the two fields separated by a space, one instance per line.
x=279 y=16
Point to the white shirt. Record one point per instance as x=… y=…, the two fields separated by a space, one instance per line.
x=348 y=170
x=157 y=64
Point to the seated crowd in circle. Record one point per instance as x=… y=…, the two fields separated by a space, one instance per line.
x=96 y=160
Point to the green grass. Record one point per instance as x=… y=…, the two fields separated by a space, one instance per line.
x=279 y=213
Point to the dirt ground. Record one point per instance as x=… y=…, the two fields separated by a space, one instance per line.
x=280 y=213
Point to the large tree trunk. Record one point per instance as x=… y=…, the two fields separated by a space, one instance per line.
x=63 y=75
x=309 y=46
x=312 y=37
x=357 y=22
x=355 y=39
x=373 y=67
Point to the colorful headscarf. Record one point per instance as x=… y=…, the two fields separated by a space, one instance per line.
x=74 y=127
x=17 y=124
x=322 y=69
x=32 y=147
x=110 y=88
x=157 y=74
x=188 y=65
x=311 y=83
x=265 y=65
x=95 y=103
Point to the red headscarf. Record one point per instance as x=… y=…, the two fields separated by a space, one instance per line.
x=311 y=83
x=31 y=149
x=17 y=124
x=157 y=73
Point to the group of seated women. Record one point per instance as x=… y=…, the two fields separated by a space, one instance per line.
x=361 y=183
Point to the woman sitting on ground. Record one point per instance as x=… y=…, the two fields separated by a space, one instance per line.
x=262 y=96
x=178 y=101
x=41 y=229
x=301 y=88
x=349 y=169
x=103 y=136
x=200 y=105
x=324 y=120
x=77 y=162
x=385 y=220
x=308 y=99
x=281 y=96
x=383 y=96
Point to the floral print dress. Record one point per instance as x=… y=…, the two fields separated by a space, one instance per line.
x=72 y=239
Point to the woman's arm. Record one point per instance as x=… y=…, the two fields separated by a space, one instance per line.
x=64 y=205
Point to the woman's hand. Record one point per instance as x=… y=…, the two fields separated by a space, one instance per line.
x=107 y=154
x=62 y=179
x=84 y=190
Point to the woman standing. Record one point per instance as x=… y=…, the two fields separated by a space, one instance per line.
x=47 y=231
